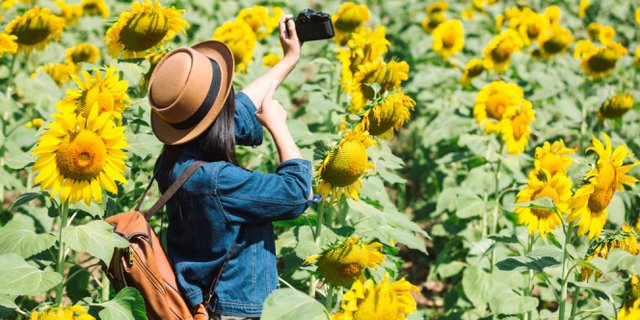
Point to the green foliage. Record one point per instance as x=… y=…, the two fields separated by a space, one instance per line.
x=291 y=304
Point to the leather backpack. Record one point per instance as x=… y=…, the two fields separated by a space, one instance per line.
x=145 y=266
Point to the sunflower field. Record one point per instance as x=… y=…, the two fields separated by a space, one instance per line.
x=476 y=159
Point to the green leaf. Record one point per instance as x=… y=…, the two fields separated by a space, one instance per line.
x=306 y=246
x=17 y=277
x=543 y=257
x=128 y=304
x=477 y=286
x=291 y=304
x=25 y=198
x=508 y=302
x=8 y=301
x=544 y=203
x=95 y=237
x=18 y=236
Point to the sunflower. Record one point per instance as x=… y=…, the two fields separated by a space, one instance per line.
x=493 y=101
x=387 y=75
x=515 y=127
x=385 y=300
x=144 y=27
x=625 y=238
x=6 y=4
x=448 y=38
x=365 y=45
x=432 y=21
x=589 y=204
x=8 y=43
x=271 y=59
x=582 y=9
x=349 y=18
x=598 y=61
x=553 y=158
x=556 y=39
x=342 y=264
x=258 y=18
x=70 y=13
x=615 y=106
x=638 y=15
x=631 y=313
x=84 y=52
x=474 y=68
x=35 y=28
x=241 y=40
x=76 y=312
x=553 y=13
x=557 y=188
x=387 y=115
x=60 y=72
x=600 y=32
x=35 y=123
x=108 y=91
x=340 y=171
x=153 y=58
x=95 y=7
x=530 y=25
x=436 y=7
x=78 y=156
x=497 y=54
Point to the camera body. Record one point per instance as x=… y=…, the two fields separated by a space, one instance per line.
x=312 y=25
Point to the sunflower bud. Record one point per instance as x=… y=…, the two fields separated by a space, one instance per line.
x=346 y=262
x=615 y=107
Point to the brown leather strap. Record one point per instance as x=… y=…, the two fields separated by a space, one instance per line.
x=144 y=195
x=173 y=188
x=214 y=283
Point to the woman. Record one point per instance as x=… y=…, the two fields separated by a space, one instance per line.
x=220 y=227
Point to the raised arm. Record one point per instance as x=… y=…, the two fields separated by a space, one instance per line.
x=257 y=89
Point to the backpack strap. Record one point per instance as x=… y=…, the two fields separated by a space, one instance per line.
x=214 y=283
x=188 y=172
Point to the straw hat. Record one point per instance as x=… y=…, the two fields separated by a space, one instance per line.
x=187 y=90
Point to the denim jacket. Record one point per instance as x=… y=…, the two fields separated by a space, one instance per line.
x=206 y=216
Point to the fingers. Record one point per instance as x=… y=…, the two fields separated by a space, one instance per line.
x=291 y=26
x=285 y=29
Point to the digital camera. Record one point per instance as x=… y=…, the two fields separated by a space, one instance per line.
x=312 y=25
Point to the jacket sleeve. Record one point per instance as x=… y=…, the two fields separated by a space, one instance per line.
x=254 y=197
x=247 y=130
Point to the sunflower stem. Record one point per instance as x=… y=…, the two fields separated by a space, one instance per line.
x=105 y=287
x=565 y=279
x=11 y=67
x=64 y=212
x=574 y=304
x=494 y=222
x=583 y=124
x=529 y=291
x=328 y=302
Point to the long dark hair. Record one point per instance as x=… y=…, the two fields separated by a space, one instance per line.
x=217 y=143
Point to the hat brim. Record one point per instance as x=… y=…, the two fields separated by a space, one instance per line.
x=220 y=53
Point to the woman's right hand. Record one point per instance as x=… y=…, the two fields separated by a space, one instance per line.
x=271 y=114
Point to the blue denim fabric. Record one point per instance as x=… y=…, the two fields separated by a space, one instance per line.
x=205 y=217
x=248 y=130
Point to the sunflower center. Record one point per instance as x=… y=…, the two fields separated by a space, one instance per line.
x=33 y=31
x=496 y=105
x=604 y=189
x=603 y=61
x=82 y=157
x=346 y=165
x=102 y=96
x=554 y=45
x=503 y=51
x=519 y=125
x=81 y=55
x=352 y=270
x=144 y=31
x=533 y=30
x=547 y=191
x=449 y=39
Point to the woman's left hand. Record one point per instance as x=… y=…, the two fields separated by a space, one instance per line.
x=289 y=40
